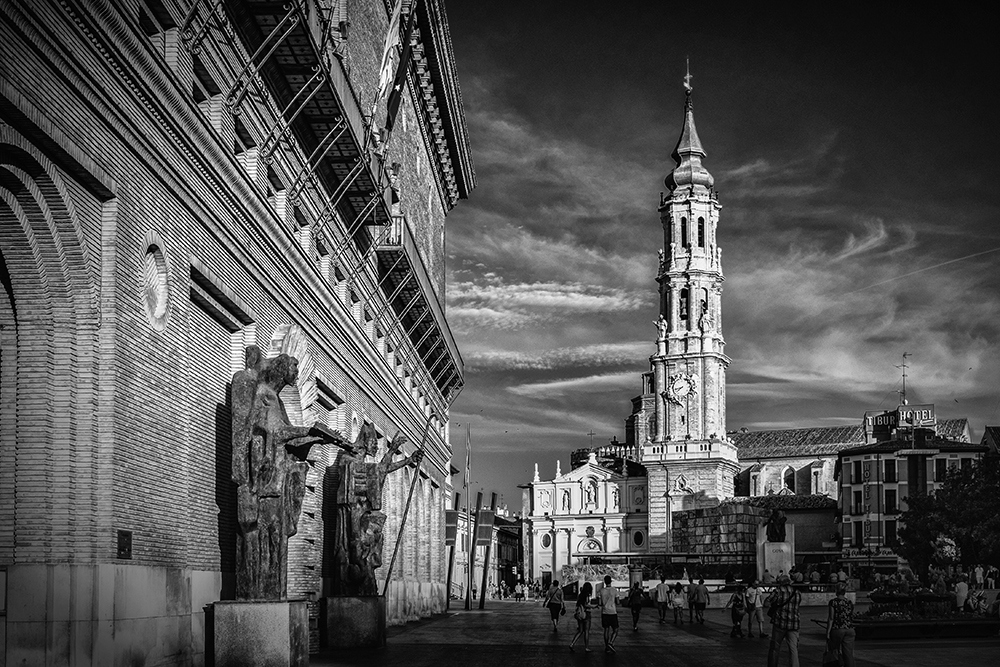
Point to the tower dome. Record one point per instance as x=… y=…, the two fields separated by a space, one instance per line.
x=688 y=154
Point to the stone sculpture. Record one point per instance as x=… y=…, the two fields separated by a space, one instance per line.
x=775 y=525
x=661 y=327
x=358 y=538
x=269 y=467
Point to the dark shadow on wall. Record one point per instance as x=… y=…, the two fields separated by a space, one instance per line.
x=225 y=495
x=331 y=482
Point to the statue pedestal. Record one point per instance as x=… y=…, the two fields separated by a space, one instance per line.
x=264 y=633
x=775 y=556
x=353 y=622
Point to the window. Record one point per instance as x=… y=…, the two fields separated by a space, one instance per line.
x=155 y=20
x=156 y=288
x=546 y=541
x=788 y=478
x=684 y=303
x=890 y=502
x=203 y=87
x=859 y=533
x=890 y=534
x=684 y=233
x=966 y=465
x=701 y=232
x=755 y=485
x=856 y=477
x=890 y=471
x=859 y=506
x=638 y=538
x=940 y=469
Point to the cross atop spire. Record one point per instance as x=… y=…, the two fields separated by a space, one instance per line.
x=688 y=77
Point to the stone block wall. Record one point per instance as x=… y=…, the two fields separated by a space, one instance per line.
x=726 y=529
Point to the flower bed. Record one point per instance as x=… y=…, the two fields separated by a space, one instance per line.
x=896 y=625
x=894 y=615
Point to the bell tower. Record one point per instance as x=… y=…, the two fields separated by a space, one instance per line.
x=689 y=460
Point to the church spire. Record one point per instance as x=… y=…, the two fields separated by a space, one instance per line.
x=688 y=152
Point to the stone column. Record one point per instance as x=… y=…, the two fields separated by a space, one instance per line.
x=659 y=385
x=555 y=552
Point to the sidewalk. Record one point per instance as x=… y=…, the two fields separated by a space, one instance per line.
x=511 y=634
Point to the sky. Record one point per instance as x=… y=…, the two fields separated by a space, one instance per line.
x=855 y=157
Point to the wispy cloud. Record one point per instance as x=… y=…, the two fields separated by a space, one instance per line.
x=601 y=354
x=591 y=384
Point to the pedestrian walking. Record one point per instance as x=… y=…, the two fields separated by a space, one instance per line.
x=701 y=600
x=608 y=597
x=555 y=603
x=783 y=608
x=840 y=627
x=754 y=598
x=738 y=603
x=662 y=598
x=582 y=616
x=677 y=602
x=689 y=589
x=635 y=601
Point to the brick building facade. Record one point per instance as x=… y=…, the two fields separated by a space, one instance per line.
x=180 y=179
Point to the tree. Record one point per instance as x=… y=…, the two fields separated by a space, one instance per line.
x=965 y=510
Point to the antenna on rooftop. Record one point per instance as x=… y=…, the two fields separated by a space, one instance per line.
x=902 y=394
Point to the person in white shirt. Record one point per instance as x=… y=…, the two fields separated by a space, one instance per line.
x=663 y=598
x=608 y=598
x=962 y=592
x=754 y=610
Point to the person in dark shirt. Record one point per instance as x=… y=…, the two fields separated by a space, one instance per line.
x=785 y=622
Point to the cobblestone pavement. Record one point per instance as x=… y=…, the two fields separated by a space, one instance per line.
x=509 y=634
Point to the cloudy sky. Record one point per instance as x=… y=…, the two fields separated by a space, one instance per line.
x=856 y=161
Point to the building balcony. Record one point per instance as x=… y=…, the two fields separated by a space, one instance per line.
x=409 y=288
x=688 y=451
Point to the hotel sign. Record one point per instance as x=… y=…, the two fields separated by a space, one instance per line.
x=874 y=552
x=917 y=416
x=879 y=425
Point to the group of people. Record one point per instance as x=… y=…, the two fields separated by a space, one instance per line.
x=782 y=608
x=781 y=605
x=606 y=601
x=503 y=592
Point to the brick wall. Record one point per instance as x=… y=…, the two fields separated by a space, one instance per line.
x=128 y=423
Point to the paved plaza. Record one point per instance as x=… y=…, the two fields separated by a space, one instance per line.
x=511 y=634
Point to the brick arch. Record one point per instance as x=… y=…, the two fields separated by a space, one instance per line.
x=53 y=289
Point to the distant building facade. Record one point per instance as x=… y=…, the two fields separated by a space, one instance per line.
x=876 y=478
x=180 y=179
x=588 y=512
x=804 y=460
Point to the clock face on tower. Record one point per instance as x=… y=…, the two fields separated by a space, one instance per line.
x=681 y=386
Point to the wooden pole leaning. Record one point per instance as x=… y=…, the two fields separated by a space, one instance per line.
x=406 y=510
